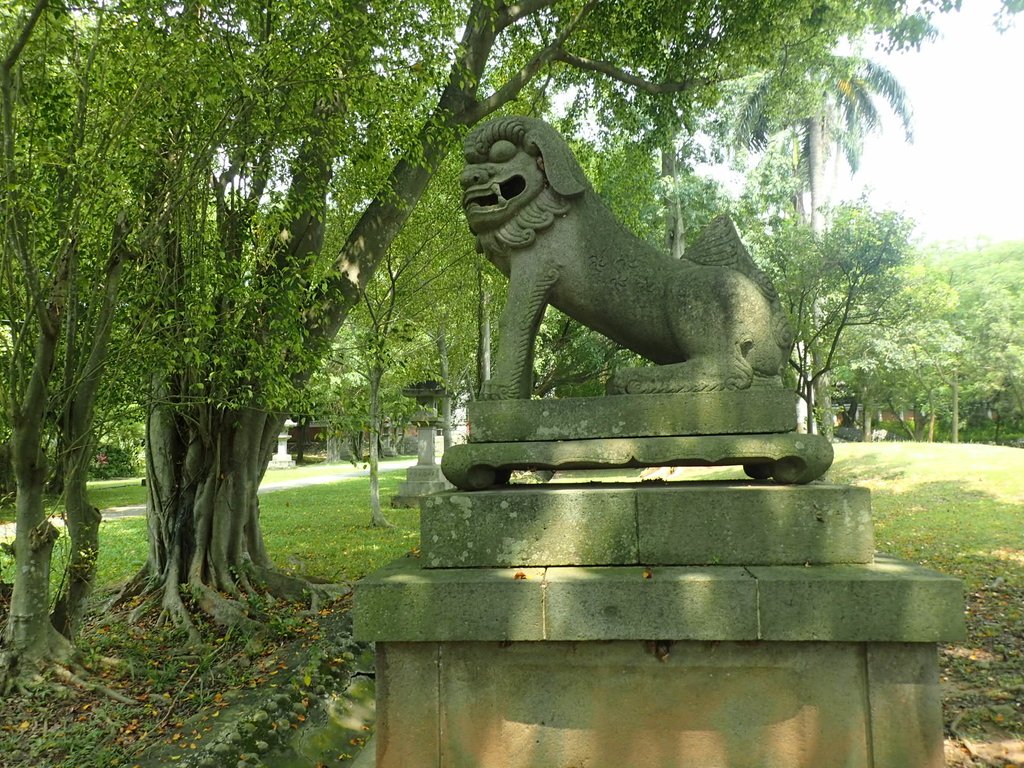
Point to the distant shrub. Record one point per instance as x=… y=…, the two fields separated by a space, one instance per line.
x=114 y=461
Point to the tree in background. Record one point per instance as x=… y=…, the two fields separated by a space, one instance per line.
x=820 y=116
x=75 y=181
x=988 y=370
x=848 y=277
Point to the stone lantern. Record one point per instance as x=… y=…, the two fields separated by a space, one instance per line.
x=425 y=477
x=282 y=459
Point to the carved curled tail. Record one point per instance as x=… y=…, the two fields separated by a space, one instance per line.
x=782 y=332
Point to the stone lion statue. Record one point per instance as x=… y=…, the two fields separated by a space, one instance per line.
x=710 y=321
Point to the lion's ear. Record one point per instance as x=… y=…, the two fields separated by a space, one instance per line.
x=563 y=172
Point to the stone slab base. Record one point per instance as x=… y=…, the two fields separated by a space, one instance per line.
x=634 y=704
x=579 y=418
x=785 y=457
x=713 y=523
x=885 y=601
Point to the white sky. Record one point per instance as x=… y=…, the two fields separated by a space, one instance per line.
x=963 y=177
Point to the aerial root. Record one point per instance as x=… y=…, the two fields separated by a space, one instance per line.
x=65 y=675
x=225 y=611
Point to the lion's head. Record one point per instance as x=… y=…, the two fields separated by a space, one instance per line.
x=519 y=175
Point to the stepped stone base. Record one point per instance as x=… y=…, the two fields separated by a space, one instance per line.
x=631 y=704
x=676 y=667
x=689 y=625
x=889 y=600
x=710 y=523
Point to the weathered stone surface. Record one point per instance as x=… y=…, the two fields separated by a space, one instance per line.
x=367 y=758
x=581 y=418
x=404 y=602
x=626 y=703
x=788 y=458
x=887 y=600
x=650 y=603
x=710 y=523
x=713 y=524
x=529 y=525
x=906 y=704
x=408 y=705
x=711 y=320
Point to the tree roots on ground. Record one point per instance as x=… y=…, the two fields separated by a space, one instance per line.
x=185 y=605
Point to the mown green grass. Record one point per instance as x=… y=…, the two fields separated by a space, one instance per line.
x=952 y=506
x=129 y=491
x=324 y=532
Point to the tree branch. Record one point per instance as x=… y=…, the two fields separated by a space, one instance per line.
x=623 y=76
x=513 y=12
x=19 y=45
x=520 y=79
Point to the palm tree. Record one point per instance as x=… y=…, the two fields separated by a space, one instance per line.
x=838 y=112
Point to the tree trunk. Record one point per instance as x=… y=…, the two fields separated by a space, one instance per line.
x=675 y=230
x=955 y=391
x=205 y=466
x=446 y=399
x=377 y=518
x=823 y=402
x=83 y=372
x=29 y=638
x=83 y=523
x=816 y=156
x=6 y=469
x=868 y=416
x=483 y=339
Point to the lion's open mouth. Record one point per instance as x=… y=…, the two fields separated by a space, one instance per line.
x=500 y=193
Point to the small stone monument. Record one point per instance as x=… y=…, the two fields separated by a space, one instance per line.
x=425 y=477
x=731 y=624
x=282 y=459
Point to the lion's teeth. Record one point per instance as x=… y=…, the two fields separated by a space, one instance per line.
x=496 y=189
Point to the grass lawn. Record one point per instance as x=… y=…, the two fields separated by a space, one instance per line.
x=959 y=509
x=321 y=532
x=129 y=491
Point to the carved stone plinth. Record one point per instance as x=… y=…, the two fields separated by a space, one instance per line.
x=731 y=625
x=754 y=429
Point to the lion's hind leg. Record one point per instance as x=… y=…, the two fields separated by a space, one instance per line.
x=698 y=374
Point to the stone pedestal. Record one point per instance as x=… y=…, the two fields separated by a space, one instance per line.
x=677 y=625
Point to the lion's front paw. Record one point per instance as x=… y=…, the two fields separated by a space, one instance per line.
x=496 y=389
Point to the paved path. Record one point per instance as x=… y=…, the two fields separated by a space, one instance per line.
x=267 y=486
